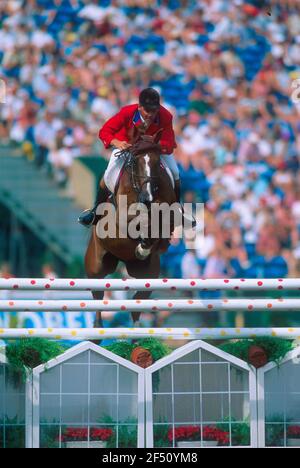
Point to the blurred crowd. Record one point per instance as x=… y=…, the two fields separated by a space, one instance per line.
x=47 y=271
x=225 y=71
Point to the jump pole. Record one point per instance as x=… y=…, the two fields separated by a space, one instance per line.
x=135 y=333
x=150 y=284
x=156 y=305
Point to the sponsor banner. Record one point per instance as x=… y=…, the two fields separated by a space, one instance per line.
x=47 y=319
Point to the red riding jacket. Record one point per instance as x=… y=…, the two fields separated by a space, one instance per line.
x=122 y=124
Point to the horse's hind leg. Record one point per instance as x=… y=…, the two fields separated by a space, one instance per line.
x=146 y=269
x=98 y=296
x=98 y=264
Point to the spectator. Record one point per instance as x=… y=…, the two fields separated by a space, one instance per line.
x=5 y=271
x=48 y=271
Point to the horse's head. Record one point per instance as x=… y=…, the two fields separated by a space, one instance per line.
x=146 y=152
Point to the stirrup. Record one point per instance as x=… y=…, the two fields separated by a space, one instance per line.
x=191 y=220
x=87 y=218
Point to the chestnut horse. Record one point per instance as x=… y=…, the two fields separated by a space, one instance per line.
x=143 y=180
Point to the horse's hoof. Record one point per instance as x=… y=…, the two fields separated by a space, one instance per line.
x=141 y=253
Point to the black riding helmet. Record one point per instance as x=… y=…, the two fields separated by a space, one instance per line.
x=149 y=99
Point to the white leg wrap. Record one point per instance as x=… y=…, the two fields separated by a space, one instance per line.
x=142 y=253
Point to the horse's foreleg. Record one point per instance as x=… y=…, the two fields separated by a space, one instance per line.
x=98 y=264
x=98 y=296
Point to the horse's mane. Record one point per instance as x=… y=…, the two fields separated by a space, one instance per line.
x=144 y=146
x=139 y=147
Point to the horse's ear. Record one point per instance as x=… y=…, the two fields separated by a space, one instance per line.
x=157 y=136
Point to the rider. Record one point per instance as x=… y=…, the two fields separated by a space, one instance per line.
x=148 y=115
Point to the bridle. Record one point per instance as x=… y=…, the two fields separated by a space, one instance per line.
x=130 y=164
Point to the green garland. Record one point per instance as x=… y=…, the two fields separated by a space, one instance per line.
x=26 y=354
x=157 y=348
x=276 y=348
x=121 y=348
x=124 y=349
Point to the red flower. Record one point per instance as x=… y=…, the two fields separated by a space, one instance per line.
x=294 y=432
x=101 y=434
x=191 y=433
x=213 y=433
x=81 y=434
x=74 y=433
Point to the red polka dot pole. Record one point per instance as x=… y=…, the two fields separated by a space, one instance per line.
x=220 y=305
x=125 y=284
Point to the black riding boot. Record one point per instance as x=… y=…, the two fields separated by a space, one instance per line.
x=87 y=218
x=185 y=218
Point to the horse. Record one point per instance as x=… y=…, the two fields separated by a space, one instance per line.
x=143 y=180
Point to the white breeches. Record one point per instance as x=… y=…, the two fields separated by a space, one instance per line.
x=170 y=162
x=115 y=165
